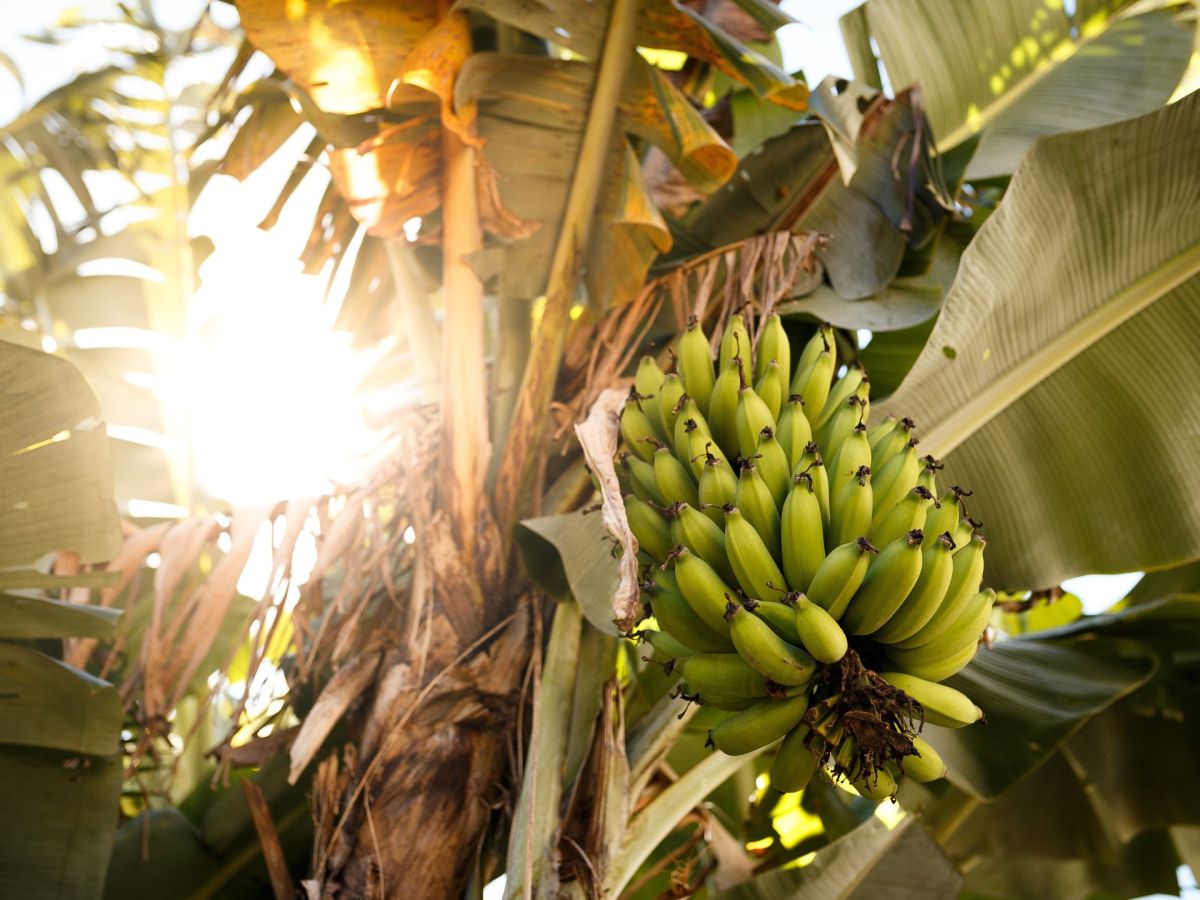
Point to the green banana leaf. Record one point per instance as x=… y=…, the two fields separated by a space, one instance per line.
x=1054 y=382
x=27 y=617
x=1018 y=70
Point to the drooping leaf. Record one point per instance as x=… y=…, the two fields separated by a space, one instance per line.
x=1022 y=69
x=40 y=617
x=53 y=462
x=572 y=554
x=1049 y=369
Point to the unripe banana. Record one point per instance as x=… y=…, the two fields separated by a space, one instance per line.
x=943 y=515
x=897 y=477
x=757 y=504
x=772 y=388
x=931 y=664
x=819 y=632
x=735 y=342
x=773 y=344
x=964 y=531
x=937 y=565
x=752 y=560
x=814 y=373
x=674 y=479
x=640 y=476
x=813 y=464
x=718 y=487
x=878 y=786
x=843 y=389
x=908 y=514
x=794 y=764
x=723 y=674
x=750 y=418
x=700 y=447
x=927 y=478
x=665 y=647
x=839 y=426
x=966 y=630
x=772 y=464
x=648 y=382
x=695 y=364
x=702 y=588
x=840 y=576
x=722 y=408
x=724 y=702
x=943 y=705
x=852 y=454
x=696 y=531
x=780 y=617
x=880 y=430
x=965 y=579
x=926 y=765
x=636 y=428
x=668 y=397
x=651 y=529
x=677 y=618
x=889 y=580
x=849 y=510
x=801 y=534
x=686 y=411
x=820 y=342
x=762 y=724
x=887 y=444
x=794 y=432
x=766 y=651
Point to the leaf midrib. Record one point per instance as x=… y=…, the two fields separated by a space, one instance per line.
x=1035 y=368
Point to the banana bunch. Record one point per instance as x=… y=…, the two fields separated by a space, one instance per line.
x=802 y=570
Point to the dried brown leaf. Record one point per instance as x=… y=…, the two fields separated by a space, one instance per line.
x=343 y=688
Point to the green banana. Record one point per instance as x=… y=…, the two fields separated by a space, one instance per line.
x=843 y=389
x=772 y=388
x=943 y=705
x=820 y=342
x=840 y=575
x=696 y=531
x=695 y=364
x=735 y=341
x=925 y=765
x=794 y=764
x=677 y=618
x=752 y=560
x=648 y=382
x=878 y=786
x=966 y=576
x=651 y=529
x=758 y=507
x=937 y=565
x=750 y=418
x=773 y=465
x=794 y=432
x=718 y=487
x=928 y=477
x=943 y=514
x=702 y=588
x=722 y=407
x=908 y=514
x=723 y=702
x=814 y=373
x=723 y=674
x=801 y=534
x=686 y=411
x=852 y=454
x=887 y=444
x=636 y=428
x=780 y=617
x=843 y=421
x=641 y=479
x=964 y=531
x=813 y=464
x=931 y=665
x=966 y=629
x=762 y=724
x=674 y=479
x=665 y=646
x=880 y=430
x=849 y=510
x=668 y=398
x=773 y=345
x=766 y=651
x=897 y=477
x=700 y=447
x=890 y=578
x=819 y=632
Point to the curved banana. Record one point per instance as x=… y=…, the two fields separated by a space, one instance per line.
x=966 y=629
x=641 y=478
x=674 y=479
x=929 y=665
x=678 y=619
x=801 y=534
x=843 y=389
x=926 y=765
x=735 y=341
x=849 y=414
x=943 y=705
x=700 y=447
x=648 y=382
x=754 y=499
x=724 y=702
x=794 y=432
x=750 y=418
x=702 y=588
x=766 y=651
x=814 y=465
x=722 y=407
x=852 y=454
x=850 y=510
x=820 y=342
x=773 y=465
x=889 y=580
x=772 y=388
x=668 y=398
x=751 y=558
x=723 y=674
x=965 y=578
x=696 y=531
x=686 y=411
x=814 y=378
x=840 y=575
x=889 y=443
x=794 y=764
x=928 y=477
x=937 y=565
x=636 y=428
x=773 y=345
x=718 y=487
x=780 y=617
x=651 y=529
x=909 y=514
x=942 y=514
x=897 y=477
x=819 y=632
x=695 y=364
x=762 y=724
x=665 y=647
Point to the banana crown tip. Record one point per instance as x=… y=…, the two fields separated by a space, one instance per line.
x=915 y=537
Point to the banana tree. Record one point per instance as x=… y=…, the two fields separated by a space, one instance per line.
x=523 y=202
